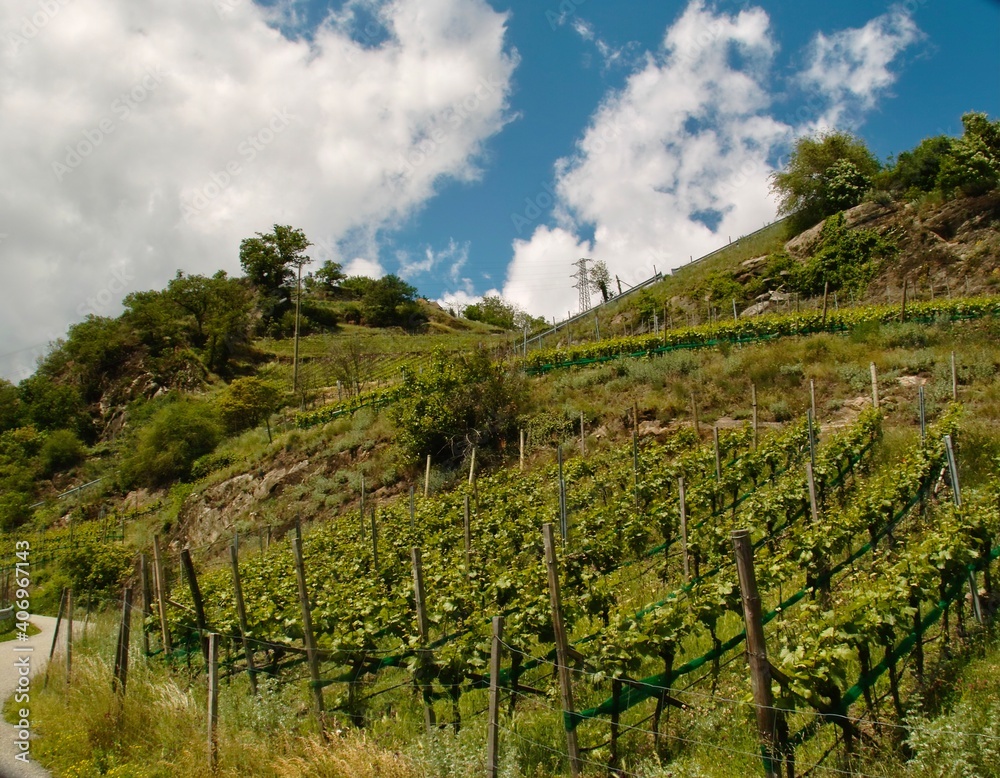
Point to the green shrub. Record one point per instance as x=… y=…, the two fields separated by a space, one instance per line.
x=61 y=450
x=95 y=569
x=167 y=447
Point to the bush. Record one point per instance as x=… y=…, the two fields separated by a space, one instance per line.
x=462 y=401
x=96 y=569
x=169 y=444
x=60 y=451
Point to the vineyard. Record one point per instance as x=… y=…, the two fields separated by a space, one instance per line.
x=857 y=558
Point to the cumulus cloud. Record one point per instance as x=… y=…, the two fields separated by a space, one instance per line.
x=678 y=160
x=851 y=68
x=142 y=137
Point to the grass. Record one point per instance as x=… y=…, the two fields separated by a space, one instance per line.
x=10 y=632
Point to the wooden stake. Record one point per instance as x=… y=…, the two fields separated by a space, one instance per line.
x=563 y=529
x=956 y=489
x=954 y=379
x=635 y=467
x=124 y=633
x=874 y=372
x=736 y=316
x=427 y=477
x=753 y=406
x=718 y=456
x=361 y=512
x=213 y=701
x=69 y=635
x=161 y=594
x=55 y=634
x=147 y=600
x=684 y=529
x=467 y=525
x=562 y=647
x=493 y=731
x=199 y=603
x=812 y=397
x=583 y=437
x=811 y=482
x=521 y=450
x=241 y=614
x=307 y=630
x=374 y=542
x=423 y=628
x=812 y=438
x=922 y=408
x=826 y=289
x=472 y=467
x=760 y=670
x=694 y=415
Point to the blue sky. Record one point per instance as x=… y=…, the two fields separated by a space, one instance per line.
x=470 y=146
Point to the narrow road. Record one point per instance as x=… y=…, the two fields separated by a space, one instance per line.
x=9 y=674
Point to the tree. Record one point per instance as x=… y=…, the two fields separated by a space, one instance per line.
x=600 y=279
x=268 y=260
x=464 y=400
x=351 y=364
x=11 y=408
x=168 y=444
x=52 y=406
x=247 y=402
x=390 y=301
x=329 y=275
x=973 y=166
x=825 y=174
x=493 y=310
x=916 y=171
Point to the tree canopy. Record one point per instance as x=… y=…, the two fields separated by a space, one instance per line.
x=825 y=174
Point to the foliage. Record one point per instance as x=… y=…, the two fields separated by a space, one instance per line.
x=460 y=402
x=51 y=405
x=170 y=442
x=329 y=275
x=61 y=450
x=493 y=310
x=973 y=166
x=845 y=258
x=600 y=280
x=268 y=261
x=825 y=174
x=217 y=314
x=916 y=171
x=95 y=569
x=391 y=302
x=247 y=402
x=11 y=407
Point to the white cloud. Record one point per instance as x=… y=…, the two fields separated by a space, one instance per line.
x=359 y=266
x=155 y=136
x=850 y=68
x=678 y=161
x=445 y=264
x=688 y=136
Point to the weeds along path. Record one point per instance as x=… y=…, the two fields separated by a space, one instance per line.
x=9 y=766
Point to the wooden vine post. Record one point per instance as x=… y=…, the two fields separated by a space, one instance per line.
x=493 y=730
x=423 y=628
x=922 y=409
x=562 y=649
x=427 y=477
x=874 y=371
x=467 y=528
x=635 y=467
x=718 y=455
x=69 y=634
x=147 y=600
x=199 y=603
x=956 y=492
x=811 y=482
x=760 y=669
x=312 y=654
x=120 y=679
x=694 y=415
x=160 y=577
x=55 y=634
x=520 y=450
x=375 y=541
x=583 y=437
x=684 y=529
x=753 y=406
x=563 y=528
x=213 y=701
x=361 y=511
x=954 y=379
x=241 y=614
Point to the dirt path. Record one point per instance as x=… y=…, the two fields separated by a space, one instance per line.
x=9 y=674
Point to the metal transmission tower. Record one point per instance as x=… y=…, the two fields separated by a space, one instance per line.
x=582 y=283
